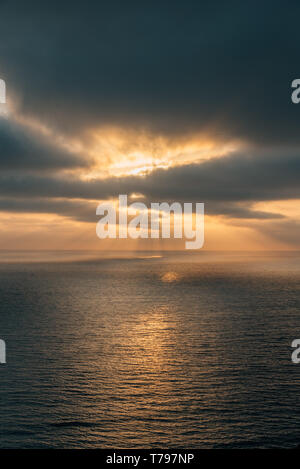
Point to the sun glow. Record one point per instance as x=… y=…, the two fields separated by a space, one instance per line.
x=115 y=151
x=121 y=152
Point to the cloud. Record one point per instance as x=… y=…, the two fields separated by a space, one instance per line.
x=238 y=177
x=83 y=211
x=239 y=210
x=228 y=185
x=175 y=68
x=23 y=149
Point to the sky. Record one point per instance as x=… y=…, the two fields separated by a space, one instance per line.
x=164 y=101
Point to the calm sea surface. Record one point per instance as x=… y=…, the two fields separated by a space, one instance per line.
x=138 y=351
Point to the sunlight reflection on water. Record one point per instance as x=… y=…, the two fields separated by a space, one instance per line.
x=166 y=352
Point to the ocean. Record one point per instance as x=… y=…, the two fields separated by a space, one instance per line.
x=149 y=350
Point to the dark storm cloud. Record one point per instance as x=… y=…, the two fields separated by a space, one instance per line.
x=77 y=210
x=239 y=210
x=230 y=179
x=22 y=149
x=228 y=185
x=175 y=67
x=84 y=211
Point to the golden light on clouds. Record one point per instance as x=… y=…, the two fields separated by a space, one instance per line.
x=112 y=151
x=121 y=152
x=287 y=208
x=115 y=151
